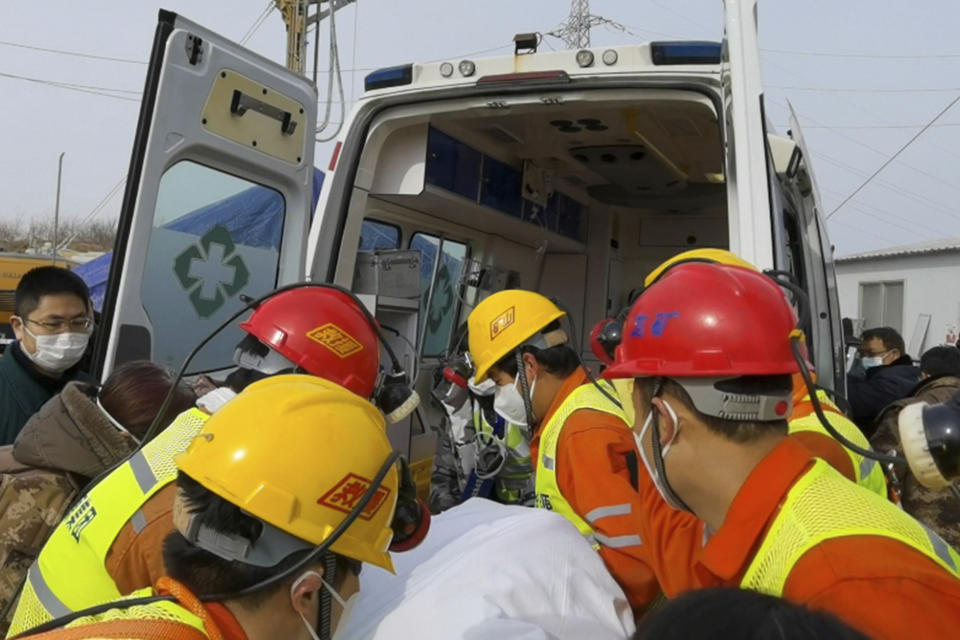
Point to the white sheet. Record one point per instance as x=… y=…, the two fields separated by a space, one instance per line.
x=489 y=571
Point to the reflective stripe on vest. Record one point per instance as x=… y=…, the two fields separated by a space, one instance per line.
x=586 y=396
x=160 y=620
x=824 y=505
x=80 y=543
x=868 y=472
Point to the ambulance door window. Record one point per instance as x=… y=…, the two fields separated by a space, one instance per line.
x=215 y=236
x=440 y=296
x=379 y=235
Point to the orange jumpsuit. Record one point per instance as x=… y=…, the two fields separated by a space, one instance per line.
x=593 y=476
x=878 y=585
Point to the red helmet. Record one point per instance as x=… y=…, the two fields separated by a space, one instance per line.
x=324 y=332
x=707 y=321
x=600 y=337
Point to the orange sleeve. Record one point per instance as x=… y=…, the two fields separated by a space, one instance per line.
x=904 y=596
x=593 y=476
x=823 y=446
x=135 y=559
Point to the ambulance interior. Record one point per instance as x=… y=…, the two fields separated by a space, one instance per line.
x=577 y=201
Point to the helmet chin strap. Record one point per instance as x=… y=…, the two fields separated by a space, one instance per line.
x=525 y=391
x=658 y=454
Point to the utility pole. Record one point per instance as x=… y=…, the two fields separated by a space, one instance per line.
x=297 y=18
x=56 y=210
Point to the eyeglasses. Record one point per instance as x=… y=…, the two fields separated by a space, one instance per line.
x=56 y=326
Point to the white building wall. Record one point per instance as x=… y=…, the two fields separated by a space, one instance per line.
x=931 y=284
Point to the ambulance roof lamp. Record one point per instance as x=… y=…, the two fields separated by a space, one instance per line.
x=525 y=43
x=585 y=58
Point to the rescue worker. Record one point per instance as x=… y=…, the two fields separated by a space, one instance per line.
x=584 y=456
x=804 y=425
x=258 y=492
x=729 y=499
x=113 y=536
x=479 y=454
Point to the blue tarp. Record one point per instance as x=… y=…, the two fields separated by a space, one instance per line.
x=253 y=217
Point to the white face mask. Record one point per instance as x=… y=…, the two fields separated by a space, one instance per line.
x=58 y=352
x=346 y=606
x=651 y=467
x=485 y=388
x=508 y=402
x=871 y=362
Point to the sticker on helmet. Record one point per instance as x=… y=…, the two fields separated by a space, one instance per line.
x=501 y=322
x=336 y=339
x=657 y=328
x=347 y=493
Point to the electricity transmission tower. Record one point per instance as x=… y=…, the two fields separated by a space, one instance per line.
x=298 y=20
x=575 y=30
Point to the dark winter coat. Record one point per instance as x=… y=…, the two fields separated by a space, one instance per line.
x=23 y=390
x=65 y=444
x=881 y=386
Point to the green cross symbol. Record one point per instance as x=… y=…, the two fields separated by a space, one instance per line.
x=211 y=271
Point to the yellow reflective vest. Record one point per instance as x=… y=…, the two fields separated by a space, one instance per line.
x=869 y=473
x=70 y=574
x=152 y=619
x=586 y=396
x=823 y=505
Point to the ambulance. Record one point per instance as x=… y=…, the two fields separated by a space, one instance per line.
x=571 y=173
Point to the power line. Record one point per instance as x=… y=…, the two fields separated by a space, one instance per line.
x=894 y=156
x=100 y=91
x=64 y=52
x=827 y=54
x=257 y=23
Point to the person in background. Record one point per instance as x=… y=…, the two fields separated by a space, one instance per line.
x=721 y=613
x=77 y=435
x=889 y=376
x=52 y=323
x=939 y=381
x=479 y=454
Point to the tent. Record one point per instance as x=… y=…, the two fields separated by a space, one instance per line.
x=254 y=217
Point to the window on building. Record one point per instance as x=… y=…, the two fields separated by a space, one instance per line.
x=881 y=304
x=444 y=303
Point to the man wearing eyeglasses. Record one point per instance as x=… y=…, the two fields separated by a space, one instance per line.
x=52 y=324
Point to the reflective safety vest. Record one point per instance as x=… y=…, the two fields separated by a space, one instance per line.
x=586 y=396
x=185 y=619
x=514 y=482
x=823 y=505
x=70 y=573
x=869 y=473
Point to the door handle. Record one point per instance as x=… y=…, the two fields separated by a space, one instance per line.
x=241 y=102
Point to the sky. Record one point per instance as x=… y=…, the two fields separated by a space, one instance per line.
x=863 y=76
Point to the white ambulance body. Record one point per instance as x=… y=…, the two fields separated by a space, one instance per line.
x=572 y=173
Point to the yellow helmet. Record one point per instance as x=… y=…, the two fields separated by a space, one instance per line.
x=720 y=256
x=504 y=321
x=298 y=452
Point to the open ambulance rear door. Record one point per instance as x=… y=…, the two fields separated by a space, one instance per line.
x=775 y=220
x=218 y=198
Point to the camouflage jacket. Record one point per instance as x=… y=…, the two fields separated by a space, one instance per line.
x=937 y=509
x=67 y=442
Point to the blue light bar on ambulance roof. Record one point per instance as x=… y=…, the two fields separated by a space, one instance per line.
x=389 y=77
x=685 y=52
